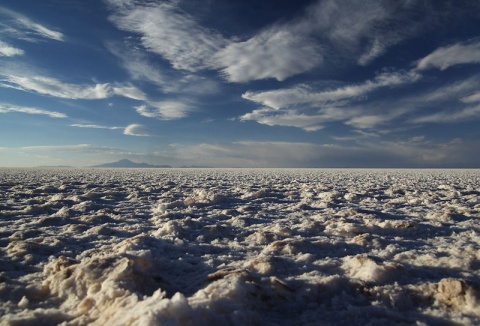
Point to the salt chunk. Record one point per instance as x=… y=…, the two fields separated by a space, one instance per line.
x=367 y=269
x=458 y=294
x=23 y=302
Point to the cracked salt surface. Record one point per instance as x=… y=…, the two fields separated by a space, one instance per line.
x=234 y=246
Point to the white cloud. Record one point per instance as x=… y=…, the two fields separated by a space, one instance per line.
x=358 y=117
x=475 y=97
x=5 y=108
x=368 y=121
x=304 y=107
x=56 y=88
x=445 y=57
x=137 y=64
x=140 y=67
x=305 y=95
x=376 y=49
x=346 y=24
x=21 y=27
x=41 y=30
x=471 y=112
x=451 y=91
x=164 y=110
x=287 y=118
x=324 y=32
x=275 y=54
x=93 y=126
x=136 y=130
x=173 y=34
x=130 y=92
x=53 y=87
x=7 y=50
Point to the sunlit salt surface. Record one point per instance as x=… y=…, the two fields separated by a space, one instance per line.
x=239 y=247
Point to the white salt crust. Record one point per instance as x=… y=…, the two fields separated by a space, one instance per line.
x=239 y=247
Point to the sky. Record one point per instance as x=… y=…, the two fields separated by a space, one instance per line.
x=240 y=83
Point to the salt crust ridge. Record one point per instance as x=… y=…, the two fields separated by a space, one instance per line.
x=237 y=247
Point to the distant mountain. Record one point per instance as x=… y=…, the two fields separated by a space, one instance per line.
x=129 y=164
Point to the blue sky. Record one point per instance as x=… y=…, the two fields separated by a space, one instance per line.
x=240 y=83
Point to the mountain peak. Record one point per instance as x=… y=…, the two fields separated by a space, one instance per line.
x=125 y=163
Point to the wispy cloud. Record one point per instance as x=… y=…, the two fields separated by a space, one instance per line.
x=137 y=64
x=164 y=110
x=451 y=91
x=6 y=108
x=450 y=102
x=288 y=118
x=308 y=108
x=169 y=32
x=449 y=116
x=130 y=92
x=57 y=88
x=93 y=126
x=456 y=54
x=350 y=29
x=276 y=53
x=475 y=97
x=136 y=130
x=18 y=26
x=7 y=50
x=140 y=67
x=307 y=95
x=280 y=51
x=54 y=87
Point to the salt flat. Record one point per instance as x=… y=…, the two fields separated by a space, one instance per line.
x=239 y=247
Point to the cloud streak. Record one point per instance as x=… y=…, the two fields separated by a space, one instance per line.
x=305 y=107
x=137 y=130
x=277 y=54
x=140 y=67
x=54 y=87
x=469 y=112
x=130 y=92
x=164 y=110
x=456 y=54
x=305 y=95
x=7 y=50
x=5 y=108
x=18 y=26
x=169 y=32
x=93 y=126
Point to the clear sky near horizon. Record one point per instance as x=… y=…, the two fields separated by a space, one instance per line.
x=241 y=83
